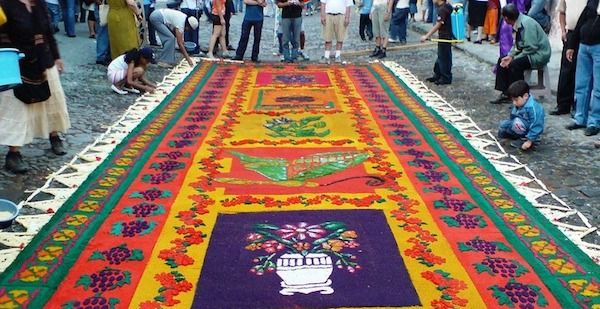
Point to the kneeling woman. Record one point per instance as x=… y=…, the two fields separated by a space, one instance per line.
x=126 y=72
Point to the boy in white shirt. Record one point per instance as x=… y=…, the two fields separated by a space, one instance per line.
x=335 y=17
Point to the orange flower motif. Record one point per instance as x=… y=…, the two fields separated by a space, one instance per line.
x=349 y=234
x=302 y=246
x=253 y=247
x=334 y=245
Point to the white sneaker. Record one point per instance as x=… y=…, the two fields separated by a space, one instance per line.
x=338 y=59
x=210 y=56
x=324 y=60
x=131 y=90
x=117 y=90
x=393 y=40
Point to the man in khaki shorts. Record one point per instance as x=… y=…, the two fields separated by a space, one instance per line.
x=335 y=17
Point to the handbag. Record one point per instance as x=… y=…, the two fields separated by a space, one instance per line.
x=103 y=12
x=32 y=93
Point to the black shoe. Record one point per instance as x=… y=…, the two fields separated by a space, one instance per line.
x=14 y=163
x=256 y=61
x=71 y=35
x=442 y=82
x=230 y=47
x=57 y=146
x=375 y=52
x=237 y=58
x=382 y=54
x=574 y=126
x=502 y=99
x=432 y=79
x=557 y=112
x=590 y=131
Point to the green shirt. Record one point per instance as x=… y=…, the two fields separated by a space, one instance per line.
x=531 y=41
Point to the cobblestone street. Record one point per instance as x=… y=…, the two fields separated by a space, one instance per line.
x=566 y=161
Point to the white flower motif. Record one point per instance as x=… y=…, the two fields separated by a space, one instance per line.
x=301 y=231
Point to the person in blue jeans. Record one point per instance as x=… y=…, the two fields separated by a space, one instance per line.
x=526 y=123
x=291 y=25
x=68 y=12
x=399 y=21
x=442 y=70
x=54 y=13
x=102 y=43
x=253 y=19
x=148 y=9
x=587 y=74
x=191 y=8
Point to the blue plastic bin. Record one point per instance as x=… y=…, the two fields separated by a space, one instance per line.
x=10 y=75
x=458 y=22
x=9 y=212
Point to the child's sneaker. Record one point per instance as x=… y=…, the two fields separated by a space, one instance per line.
x=324 y=60
x=117 y=90
x=338 y=59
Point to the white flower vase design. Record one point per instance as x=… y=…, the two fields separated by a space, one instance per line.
x=305 y=274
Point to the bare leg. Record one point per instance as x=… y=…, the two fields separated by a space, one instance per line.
x=216 y=35
x=222 y=41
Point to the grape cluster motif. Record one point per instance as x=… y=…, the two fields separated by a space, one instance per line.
x=94 y=302
x=522 y=296
x=107 y=279
x=442 y=190
x=174 y=155
x=480 y=245
x=117 y=255
x=133 y=228
x=454 y=204
x=167 y=166
x=159 y=178
x=465 y=220
x=143 y=210
x=501 y=266
x=151 y=194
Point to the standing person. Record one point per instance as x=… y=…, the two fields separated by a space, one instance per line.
x=399 y=21
x=565 y=94
x=229 y=10
x=192 y=8
x=148 y=9
x=218 y=19
x=55 y=14
x=335 y=17
x=380 y=16
x=301 y=55
x=68 y=13
x=442 y=70
x=253 y=19
x=587 y=77
x=89 y=7
x=531 y=49
x=102 y=45
x=490 y=26
x=365 y=26
x=477 y=11
x=291 y=25
x=122 y=27
x=36 y=108
x=412 y=6
x=170 y=25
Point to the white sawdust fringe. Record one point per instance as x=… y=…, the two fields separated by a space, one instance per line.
x=61 y=184
x=517 y=173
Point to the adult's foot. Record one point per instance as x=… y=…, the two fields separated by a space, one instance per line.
x=442 y=82
x=229 y=47
x=502 y=99
x=382 y=54
x=375 y=52
x=432 y=79
x=590 y=131
x=236 y=58
x=57 y=146
x=557 y=112
x=574 y=126
x=14 y=163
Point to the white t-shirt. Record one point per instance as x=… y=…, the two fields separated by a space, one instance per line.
x=174 y=19
x=336 y=6
x=572 y=11
x=402 y=4
x=191 y=4
x=118 y=64
x=377 y=3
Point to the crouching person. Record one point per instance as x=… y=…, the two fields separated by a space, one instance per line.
x=126 y=72
x=526 y=123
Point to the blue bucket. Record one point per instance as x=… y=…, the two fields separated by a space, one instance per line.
x=10 y=75
x=8 y=212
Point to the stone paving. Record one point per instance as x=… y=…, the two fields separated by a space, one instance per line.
x=565 y=161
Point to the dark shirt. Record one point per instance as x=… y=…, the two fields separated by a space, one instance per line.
x=587 y=30
x=445 y=31
x=21 y=29
x=291 y=11
x=253 y=12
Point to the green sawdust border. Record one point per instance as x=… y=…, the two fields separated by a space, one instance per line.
x=582 y=259
x=48 y=286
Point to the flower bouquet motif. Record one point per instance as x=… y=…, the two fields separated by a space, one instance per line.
x=303 y=255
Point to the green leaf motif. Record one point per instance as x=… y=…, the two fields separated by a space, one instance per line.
x=503 y=299
x=333 y=225
x=117 y=228
x=84 y=281
x=450 y=221
x=97 y=255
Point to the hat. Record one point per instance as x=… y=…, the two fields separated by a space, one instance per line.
x=193 y=22
x=148 y=53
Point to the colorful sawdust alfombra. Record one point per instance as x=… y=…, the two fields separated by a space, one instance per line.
x=276 y=186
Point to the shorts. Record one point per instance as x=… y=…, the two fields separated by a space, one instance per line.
x=334 y=28
x=381 y=28
x=216 y=20
x=116 y=76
